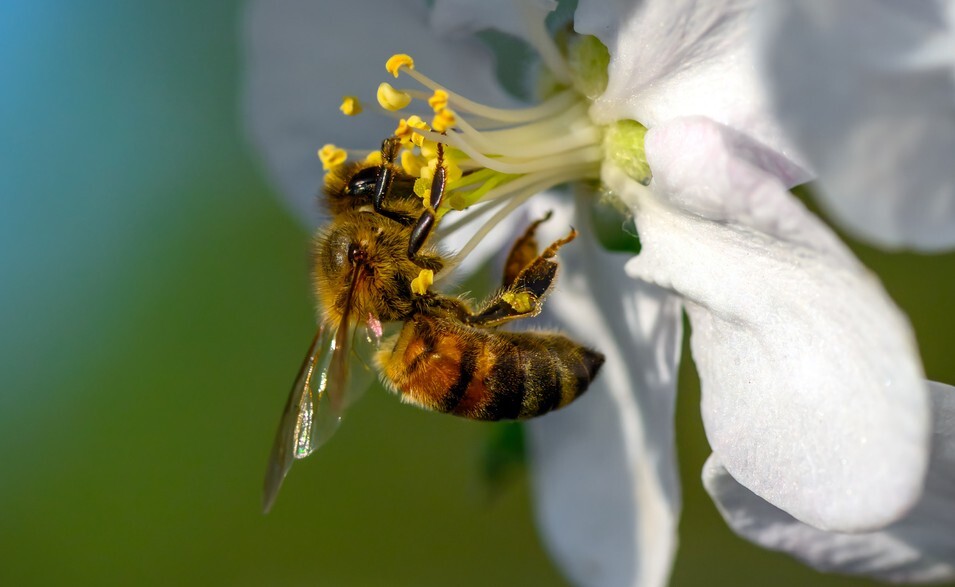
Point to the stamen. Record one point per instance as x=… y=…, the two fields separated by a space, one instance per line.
x=392 y=99
x=443 y=120
x=397 y=61
x=350 y=106
x=482 y=232
x=331 y=156
x=512 y=203
x=438 y=100
x=494 y=156
x=411 y=163
x=550 y=177
x=406 y=130
x=546 y=128
x=539 y=37
x=538 y=140
x=556 y=103
x=520 y=165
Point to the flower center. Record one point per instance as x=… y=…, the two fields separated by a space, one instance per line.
x=499 y=157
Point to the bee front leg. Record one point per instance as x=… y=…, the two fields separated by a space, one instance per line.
x=386 y=176
x=426 y=222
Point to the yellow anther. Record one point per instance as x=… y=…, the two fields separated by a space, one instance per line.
x=392 y=99
x=422 y=282
x=373 y=158
x=429 y=149
x=411 y=163
x=454 y=172
x=331 y=156
x=397 y=61
x=350 y=106
x=443 y=120
x=438 y=100
x=521 y=302
x=405 y=130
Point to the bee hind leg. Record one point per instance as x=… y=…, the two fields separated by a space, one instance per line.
x=523 y=251
x=524 y=294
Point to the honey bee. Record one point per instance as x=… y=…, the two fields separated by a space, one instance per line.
x=447 y=356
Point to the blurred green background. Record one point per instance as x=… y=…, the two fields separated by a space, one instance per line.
x=155 y=306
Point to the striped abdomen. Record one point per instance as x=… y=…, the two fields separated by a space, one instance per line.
x=446 y=366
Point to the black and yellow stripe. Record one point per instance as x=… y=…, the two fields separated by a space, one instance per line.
x=446 y=366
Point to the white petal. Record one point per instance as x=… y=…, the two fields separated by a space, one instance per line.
x=867 y=91
x=604 y=469
x=671 y=58
x=469 y=16
x=813 y=394
x=303 y=56
x=919 y=547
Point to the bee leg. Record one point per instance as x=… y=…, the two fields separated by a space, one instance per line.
x=426 y=222
x=525 y=295
x=386 y=176
x=523 y=251
x=537 y=277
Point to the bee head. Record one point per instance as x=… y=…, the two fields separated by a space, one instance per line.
x=361 y=263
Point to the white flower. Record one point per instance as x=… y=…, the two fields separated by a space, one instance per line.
x=813 y=396
x=877 y=121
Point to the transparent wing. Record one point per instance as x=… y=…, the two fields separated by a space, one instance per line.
x=314 y=406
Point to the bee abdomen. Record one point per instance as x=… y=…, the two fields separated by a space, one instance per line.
x=486 y=375
x=552 y=371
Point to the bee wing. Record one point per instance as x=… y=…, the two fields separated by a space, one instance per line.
x=313 y=409
x=315 y=404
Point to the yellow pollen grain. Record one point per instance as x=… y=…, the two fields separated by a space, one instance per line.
x=350 y=106
x=438 y=100
x=422 y=282
x=443 y=120
x=392 y=99
x=397 y=61
x=331 y=156
x=522 y=302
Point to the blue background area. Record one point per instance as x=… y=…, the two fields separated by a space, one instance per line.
x=154 y=306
